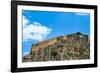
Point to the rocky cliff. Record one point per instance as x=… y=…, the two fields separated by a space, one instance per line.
x=74 y=46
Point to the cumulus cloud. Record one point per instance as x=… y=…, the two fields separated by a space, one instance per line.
x=34 y=31
x=25 y=21
x=26 y=53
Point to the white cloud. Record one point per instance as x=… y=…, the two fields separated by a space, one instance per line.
x=34 y=31
x=80 y=13
x=25 y=21
x=26 y=53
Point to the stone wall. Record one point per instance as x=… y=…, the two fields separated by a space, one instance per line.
x=43 y=44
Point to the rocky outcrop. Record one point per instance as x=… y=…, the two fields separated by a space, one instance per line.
x=74 y=46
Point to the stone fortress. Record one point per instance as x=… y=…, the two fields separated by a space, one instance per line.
x=44 y=44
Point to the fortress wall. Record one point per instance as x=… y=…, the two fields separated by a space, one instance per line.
x=43 y=44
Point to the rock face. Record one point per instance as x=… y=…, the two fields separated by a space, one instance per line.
x=74 y=46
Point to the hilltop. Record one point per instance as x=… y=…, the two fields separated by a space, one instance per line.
x=75 y=46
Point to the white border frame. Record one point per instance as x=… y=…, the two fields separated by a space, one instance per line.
x=52 y=63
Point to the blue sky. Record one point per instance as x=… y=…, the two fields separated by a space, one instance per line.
x=43 y=25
